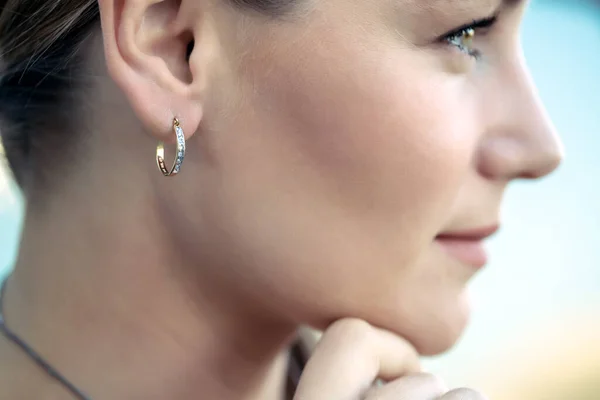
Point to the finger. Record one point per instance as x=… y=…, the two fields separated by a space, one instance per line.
x=348 y=359
x=309 y=338
x=463 y=394
x=412 y=387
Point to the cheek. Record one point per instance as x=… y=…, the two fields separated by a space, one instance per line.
x=388 y=135
x=349 y=162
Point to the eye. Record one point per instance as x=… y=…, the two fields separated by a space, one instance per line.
x=463 y=38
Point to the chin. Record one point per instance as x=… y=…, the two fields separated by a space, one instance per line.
x=439 y=333
x=439 y=343
x=430 y=331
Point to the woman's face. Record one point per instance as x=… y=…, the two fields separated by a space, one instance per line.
x=345 y=139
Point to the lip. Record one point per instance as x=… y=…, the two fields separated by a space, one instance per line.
x=467 y=246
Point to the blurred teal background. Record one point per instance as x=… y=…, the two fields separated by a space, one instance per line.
x=11 y=212
x=535 y=332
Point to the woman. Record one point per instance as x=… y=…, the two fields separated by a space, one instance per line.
x=334 y=160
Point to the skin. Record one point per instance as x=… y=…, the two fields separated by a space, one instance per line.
x=325 y=152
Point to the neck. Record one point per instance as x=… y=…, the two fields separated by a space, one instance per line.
x=110 y=305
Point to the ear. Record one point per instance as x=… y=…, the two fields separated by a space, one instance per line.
x=148 y=47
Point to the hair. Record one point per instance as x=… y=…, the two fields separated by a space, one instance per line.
x=42 y=72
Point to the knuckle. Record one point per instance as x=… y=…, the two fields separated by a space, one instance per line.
x=409 y=387
x=350 y=330
x=464 y=394
x=431 y=380
x=437 y=382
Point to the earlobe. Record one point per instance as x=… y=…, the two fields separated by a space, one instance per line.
x=147 y=47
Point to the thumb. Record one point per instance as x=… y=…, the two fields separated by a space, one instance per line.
x=349 y=358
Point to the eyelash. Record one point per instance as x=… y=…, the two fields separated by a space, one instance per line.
x=468 y=32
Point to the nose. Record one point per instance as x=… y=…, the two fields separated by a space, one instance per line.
x=521 y=142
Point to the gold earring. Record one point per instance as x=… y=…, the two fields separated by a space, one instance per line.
x=160 y=152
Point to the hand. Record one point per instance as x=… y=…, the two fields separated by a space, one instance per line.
x=352 y=355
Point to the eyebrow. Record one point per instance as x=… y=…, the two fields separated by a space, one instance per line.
x=491 y=5
x=512 y=3
x=470 y=3
x=466 y=3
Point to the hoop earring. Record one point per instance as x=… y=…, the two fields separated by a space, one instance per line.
x=160 y=152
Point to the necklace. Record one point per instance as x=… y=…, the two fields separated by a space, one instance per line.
x=33 y=355
x=297 y=361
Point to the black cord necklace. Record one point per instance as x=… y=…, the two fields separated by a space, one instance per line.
x=298 y=359
x=33 y=355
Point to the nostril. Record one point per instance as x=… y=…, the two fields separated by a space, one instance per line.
x=500 y=158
